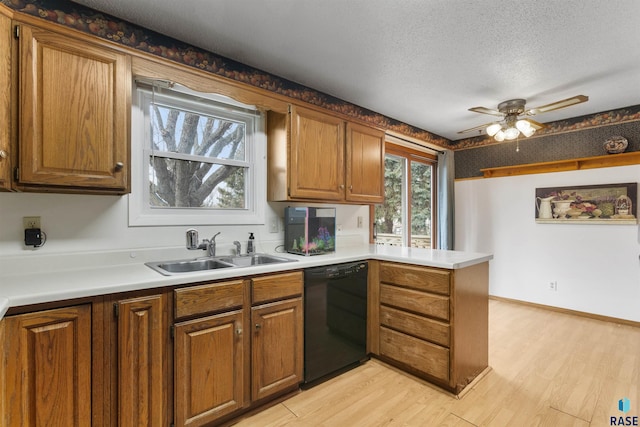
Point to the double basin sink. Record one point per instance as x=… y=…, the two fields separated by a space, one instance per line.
x=169 y=268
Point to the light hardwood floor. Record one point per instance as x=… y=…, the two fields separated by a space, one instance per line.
x=548 y=369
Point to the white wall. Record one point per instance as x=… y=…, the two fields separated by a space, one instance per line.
x=596 y=267
x=76 y=223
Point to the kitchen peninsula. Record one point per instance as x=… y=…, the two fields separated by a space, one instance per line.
x=118 y=326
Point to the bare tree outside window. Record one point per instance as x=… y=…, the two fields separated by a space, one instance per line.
x=196 y=160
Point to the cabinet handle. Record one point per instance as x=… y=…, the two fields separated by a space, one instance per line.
x=239 y=331
x=351 y=188
x=3 y=154
x=342 y=186
x=258 y=326
x=119 y=166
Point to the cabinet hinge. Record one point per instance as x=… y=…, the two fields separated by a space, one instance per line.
x=172 y=331
x=16 y=31
x=16 y=174
x=116 y=309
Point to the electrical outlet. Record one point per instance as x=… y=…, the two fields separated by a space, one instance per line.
x=273 y=224
x=31 y=222
x=553 y=286
x=359 y=222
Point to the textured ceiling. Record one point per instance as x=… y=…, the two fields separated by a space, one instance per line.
x=423 y=62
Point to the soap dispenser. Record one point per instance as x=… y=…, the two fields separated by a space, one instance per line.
x=250 y=244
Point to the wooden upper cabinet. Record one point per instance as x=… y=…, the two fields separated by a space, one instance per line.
x=317 y=156
x=320 y=157
x=74 y=101
x=365 y=164
x=5 y=102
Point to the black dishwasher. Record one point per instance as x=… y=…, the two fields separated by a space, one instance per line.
x=335 y=319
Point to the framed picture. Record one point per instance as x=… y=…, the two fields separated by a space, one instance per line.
x=594 y=204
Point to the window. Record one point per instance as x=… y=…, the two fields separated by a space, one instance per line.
x=196 y=158
x=407 y=212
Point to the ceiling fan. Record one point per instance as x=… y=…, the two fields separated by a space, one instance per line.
x=512 y=124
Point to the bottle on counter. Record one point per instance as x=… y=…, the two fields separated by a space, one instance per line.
x=250 y=244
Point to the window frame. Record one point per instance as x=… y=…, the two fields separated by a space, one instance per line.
x=141 y=213
x=408 y=155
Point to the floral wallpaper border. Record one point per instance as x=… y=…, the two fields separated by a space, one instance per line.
x=81 y=18
x=108 y=27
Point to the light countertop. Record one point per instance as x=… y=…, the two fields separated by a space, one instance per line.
x=37 y=279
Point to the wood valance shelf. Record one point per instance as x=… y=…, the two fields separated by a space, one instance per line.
x=623 y=159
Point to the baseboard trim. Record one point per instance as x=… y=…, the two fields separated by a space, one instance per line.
x=569 y=311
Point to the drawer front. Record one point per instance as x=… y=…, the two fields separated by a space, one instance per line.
x=276 y=287
x=417 y=326
x=421 y=278
x=421 y=355
x=208 y=298
x=418 y=302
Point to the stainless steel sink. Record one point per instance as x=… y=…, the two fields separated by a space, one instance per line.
x=169 y=268
x=254 y=259
x=188 y=266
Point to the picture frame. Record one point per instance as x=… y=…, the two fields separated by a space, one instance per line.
x=587 y=204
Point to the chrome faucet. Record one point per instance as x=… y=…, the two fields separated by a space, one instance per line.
x=238 y=247
x=211 y=244
x=208 y=244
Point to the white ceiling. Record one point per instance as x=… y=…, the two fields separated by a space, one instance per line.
x=423 y=62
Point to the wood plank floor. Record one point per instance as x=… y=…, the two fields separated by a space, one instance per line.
x=548 y=369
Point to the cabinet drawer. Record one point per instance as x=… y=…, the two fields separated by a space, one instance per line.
x=275 y=287
x=417 y=326
x=208 y=298
x=421 y=278
x=418 y=302
x=421 y=355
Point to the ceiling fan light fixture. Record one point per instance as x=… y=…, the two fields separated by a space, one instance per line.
x=511 y=127
x=523 y=125
x=529 y=131
x=494 y=129
x=511 y=133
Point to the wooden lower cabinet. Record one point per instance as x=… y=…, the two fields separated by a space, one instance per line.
x=432 y=322
x=209 y=374
x=142 y=361
x=47 y=365
x=277 y=347
x=113 y=360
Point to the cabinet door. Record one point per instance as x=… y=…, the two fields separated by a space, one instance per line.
x=209 y=368
x=5 y=102
x=75 y=105
x=142 y=357
x=365 y=164
x=48 y=368
x=277 y=350
x=316 y=162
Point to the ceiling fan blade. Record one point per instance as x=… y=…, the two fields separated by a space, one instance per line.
x=558 y=105
x=484 y=110
x=536 y=125
x=481 y=128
